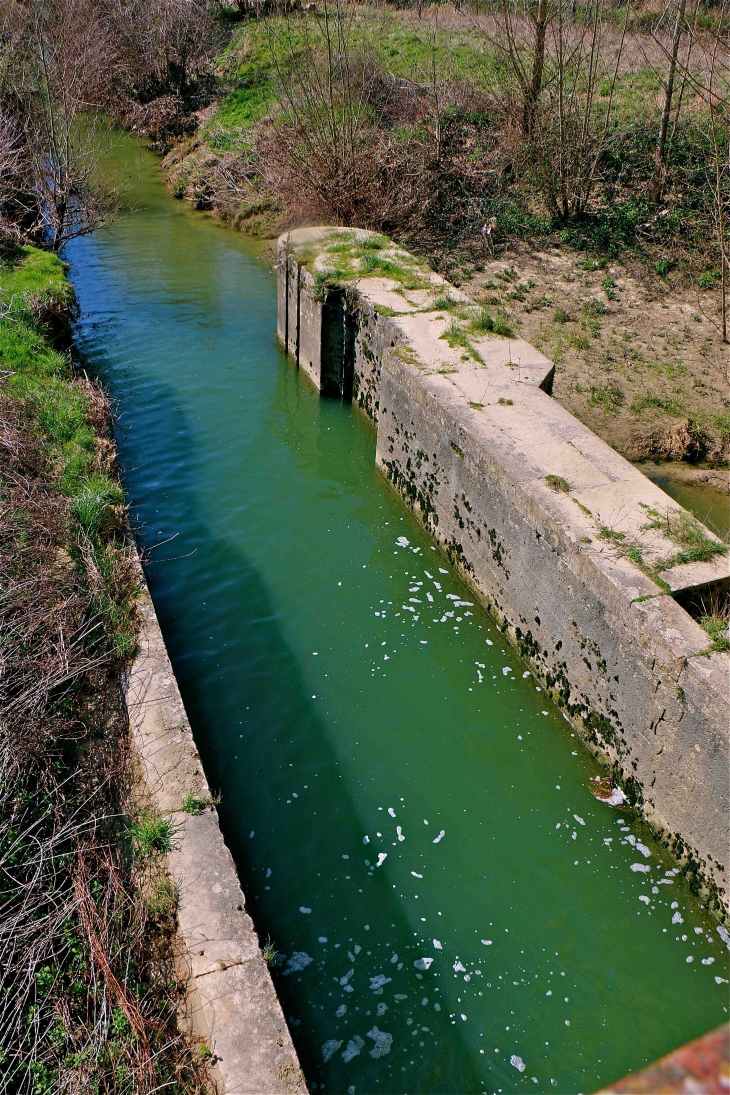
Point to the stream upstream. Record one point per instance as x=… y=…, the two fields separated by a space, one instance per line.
x=410 y=817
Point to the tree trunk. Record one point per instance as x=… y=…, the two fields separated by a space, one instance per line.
x=532 y=91
x=661 y=147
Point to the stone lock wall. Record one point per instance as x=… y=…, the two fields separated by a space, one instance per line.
x=471 y=442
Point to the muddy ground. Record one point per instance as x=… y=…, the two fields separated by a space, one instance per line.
x=638 y=356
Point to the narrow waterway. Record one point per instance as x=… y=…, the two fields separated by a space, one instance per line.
x=410 y=817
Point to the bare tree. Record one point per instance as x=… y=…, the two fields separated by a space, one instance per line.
x=713 y=90
x=557 y=66
x=519 y=38
x=64 y=149
x=328 y=95
x=661 y=147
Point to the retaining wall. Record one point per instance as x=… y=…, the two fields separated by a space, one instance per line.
x=559 y=536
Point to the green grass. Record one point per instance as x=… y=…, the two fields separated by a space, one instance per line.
x=688 y=534
x=35 y=274
x=669 y=406
x=717 y=629
x=488 y=323
x=29 y=283
x=558 y=484
x=609 y=399
x=152 y=835
x=458 y=336
x=194 y=806
x=92 y=501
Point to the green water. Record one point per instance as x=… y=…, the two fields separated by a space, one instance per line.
x=346 y=717
x=710 y=505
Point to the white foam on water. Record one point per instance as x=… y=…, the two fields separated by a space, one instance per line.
x=642 y=868
x=441 y=835
x=377 y=982
x=345 y=980
x=643 y=849
x=416 y=875
x=458 y=968
x=724 y=935
x=366 y=840
x=437 y=945
x=645 y=899
x=394 y=959
x=423 y=963
x=631 y=840
x=297 y=962
x=489 y=642
x=322 y=939
x=391 y=811
x=707 y=961
x=357 y=948
x=517 y=1062
x=526 y=674
x=506 y=671
x=579 y=819
x=329 y=1048
x=383 y=1042
x=721 y=980
x=341 y=1010
x=442 y=571
x=677 y=919
x=382 y=856
x=399 y=831
x=402 y=541
x=487 y=942
x=400 y=996
x=381 y=1009
x=353 y=1049
x=304 y=909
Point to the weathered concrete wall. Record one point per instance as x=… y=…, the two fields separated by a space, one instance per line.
x=234 y=1005
x=471 y=440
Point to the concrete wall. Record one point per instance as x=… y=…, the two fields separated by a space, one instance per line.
x=468 y=440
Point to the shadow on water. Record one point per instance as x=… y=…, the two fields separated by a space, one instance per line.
x=249 y=759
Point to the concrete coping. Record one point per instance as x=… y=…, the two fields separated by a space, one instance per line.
x=501 y=382
x=231 y=995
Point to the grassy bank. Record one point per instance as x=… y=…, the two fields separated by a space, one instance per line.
x=87 y=911
x=621 y=285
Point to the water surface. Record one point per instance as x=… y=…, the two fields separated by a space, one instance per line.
x=709 y=504
x=410 y=817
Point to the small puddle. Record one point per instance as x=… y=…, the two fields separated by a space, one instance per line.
x=411 y=819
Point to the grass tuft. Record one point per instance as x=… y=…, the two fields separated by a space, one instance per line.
x=558 y=484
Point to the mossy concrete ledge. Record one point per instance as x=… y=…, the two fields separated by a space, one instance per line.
x=591 y=571
x=232 y=1005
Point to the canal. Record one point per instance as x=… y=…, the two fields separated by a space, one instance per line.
x=411 y=818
